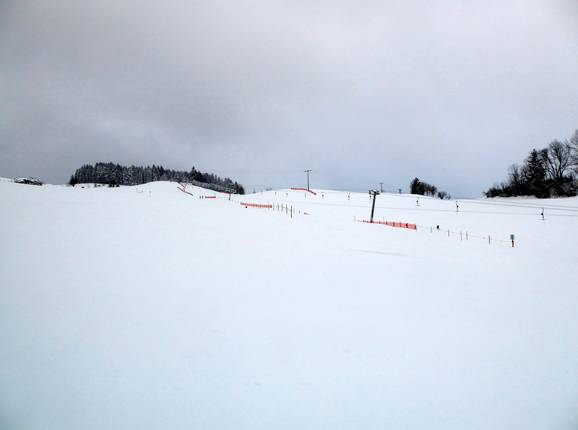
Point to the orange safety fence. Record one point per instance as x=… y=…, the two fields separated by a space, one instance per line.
x=394 y=224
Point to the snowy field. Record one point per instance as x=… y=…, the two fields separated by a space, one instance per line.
x=148 y=308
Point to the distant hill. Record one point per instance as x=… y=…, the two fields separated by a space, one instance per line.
x=114 y=174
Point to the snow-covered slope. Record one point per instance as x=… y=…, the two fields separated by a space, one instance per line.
x=146 y=307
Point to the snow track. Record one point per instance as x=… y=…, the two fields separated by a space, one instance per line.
x=126 y=309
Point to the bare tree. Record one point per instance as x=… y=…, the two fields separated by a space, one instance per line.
x=558 y=160
x=515 y=175
x=574 y=148
x=544 y=173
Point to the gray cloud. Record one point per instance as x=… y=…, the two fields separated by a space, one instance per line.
x=359 y=91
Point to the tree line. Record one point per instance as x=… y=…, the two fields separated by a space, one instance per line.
x=424 y=189
x=114 y=175
x=546 y=172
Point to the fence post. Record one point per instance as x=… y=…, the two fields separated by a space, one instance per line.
x=448 y=232
x=466 y=235
x=489 y=239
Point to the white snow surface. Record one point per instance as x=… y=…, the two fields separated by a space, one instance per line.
x=148 y=308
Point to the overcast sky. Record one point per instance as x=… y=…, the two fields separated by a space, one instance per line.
x=361 y=92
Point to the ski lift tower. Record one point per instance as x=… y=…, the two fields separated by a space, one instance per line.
x=308 y=171
x=373 y=193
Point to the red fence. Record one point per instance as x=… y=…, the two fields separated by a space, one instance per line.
x=256 y=205
x=304 y=189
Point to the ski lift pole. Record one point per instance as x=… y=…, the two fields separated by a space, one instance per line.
x=373 y=193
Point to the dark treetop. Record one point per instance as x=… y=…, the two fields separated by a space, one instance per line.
x=115 y=174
